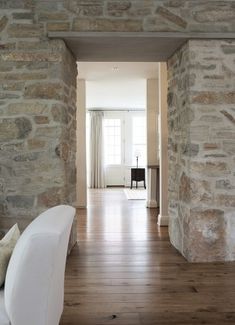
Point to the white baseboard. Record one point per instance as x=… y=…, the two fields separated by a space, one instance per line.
x=151 y=204
x=163 y=220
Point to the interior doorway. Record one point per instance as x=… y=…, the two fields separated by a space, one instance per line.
x=124 y=93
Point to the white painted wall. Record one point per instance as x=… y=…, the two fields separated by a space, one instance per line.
x=163 y=133
x=152 y=121
x=81 y=144
x=152 y=142
x=120 y=94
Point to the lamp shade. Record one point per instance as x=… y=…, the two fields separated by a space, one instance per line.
x=137 y=153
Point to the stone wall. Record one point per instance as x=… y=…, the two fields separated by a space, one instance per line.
x=137 y=15
x=202 y=150
x=37 y=117
x=119 y=15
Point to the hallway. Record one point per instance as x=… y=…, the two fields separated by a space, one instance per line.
x=126 y=272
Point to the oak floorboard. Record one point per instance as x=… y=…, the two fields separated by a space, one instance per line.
x=125 y=272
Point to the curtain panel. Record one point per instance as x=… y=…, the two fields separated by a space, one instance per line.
x=97 y=177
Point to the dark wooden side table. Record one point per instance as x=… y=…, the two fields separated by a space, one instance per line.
x=138 y=175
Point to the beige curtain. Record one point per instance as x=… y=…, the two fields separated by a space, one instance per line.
x=96 y=178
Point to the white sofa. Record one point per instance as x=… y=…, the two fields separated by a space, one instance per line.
x=34 y=286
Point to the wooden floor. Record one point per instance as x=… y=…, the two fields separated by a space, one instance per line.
x=126 y=272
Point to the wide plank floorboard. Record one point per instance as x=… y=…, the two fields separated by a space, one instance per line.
x=125 y=272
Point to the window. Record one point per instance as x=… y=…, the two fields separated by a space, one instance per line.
x=112 y=141
x=139 y=140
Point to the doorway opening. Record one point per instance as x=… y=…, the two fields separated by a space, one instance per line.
x=121 y=113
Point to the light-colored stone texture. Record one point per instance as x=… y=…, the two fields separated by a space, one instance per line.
x=201 y=185
x=58 y=26
x=168 y=15
x=52 y=90
x=3 y=23
x=24 y=30
x=205 y=235
x=107 y=25
x=33 y=176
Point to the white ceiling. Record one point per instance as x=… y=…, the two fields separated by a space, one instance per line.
x=116 y=85
x=93 y=71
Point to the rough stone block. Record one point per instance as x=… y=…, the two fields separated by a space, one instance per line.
x=3 y=205
x=12 y=86
x=190 y=149
x=194 y=191
x=228 y=49
x=25 y=157
x=225 y=200
x=224 y=184
x=24 y=76
x=229 y=146
x=228 y=116
x=27 y=108
x=173 y=18
x=14 y=128
x=210 y=168
x=49 y=90
x=24 y=126
x=59 y=113
x=20 y=201
x=31 y=56
x=205 y=236
x=158 y=24
x=108 y=25
x=28 y=15
x=215 y=15
x=58 y=26
x=53 y=16
x=41 y=119
x=210 y=97
x=36 y=144
x=51 y=197
x=210 y=119
x=62 y=151
x=8 y=95
x=211 y=146
x=118 y=8
x=85 y=8
x=24 y=30
x=3 y=23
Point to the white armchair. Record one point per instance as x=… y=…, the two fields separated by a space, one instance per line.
x=34 y=285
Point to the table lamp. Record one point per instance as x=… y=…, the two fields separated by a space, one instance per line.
x=137 y=154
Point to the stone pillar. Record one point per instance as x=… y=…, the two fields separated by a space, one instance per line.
x=201 y=123
x=37 y=123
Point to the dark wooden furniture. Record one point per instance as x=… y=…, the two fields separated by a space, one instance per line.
x=138 y=175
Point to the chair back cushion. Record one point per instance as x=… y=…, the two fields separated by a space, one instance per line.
x=7 y=245
x=34 y=286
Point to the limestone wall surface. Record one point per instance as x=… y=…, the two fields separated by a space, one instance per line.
x=37 y=117
x=202 y=150
x=137 y=15
x=117 y=15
